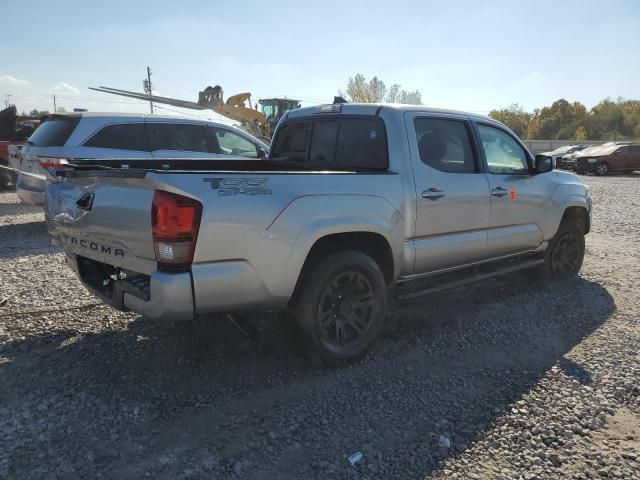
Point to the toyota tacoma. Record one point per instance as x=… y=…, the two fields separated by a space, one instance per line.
x=356 y=206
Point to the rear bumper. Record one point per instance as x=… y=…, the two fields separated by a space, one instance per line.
x=30 y=188
x=207 y=288
x=170 y=297
x=159 y=296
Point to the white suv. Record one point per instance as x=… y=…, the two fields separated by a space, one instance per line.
x=76 y=137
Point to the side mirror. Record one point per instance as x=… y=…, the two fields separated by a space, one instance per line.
x=543 y=164
x=261 y=152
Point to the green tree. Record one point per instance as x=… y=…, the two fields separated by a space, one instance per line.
x=558 y=121
x=397 y=95
x=513 y=117
x=580 y=135
x=359 y=90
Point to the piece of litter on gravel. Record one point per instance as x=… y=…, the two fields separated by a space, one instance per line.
x=355 y=458
x=444 y=442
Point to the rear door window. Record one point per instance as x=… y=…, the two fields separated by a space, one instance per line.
x=181 y=137
x=54 y=132
x=445 y=145
x=125 y=136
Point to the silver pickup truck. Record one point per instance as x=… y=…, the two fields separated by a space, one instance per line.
x=356 y=206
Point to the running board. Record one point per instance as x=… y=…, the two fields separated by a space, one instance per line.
x=461 y=278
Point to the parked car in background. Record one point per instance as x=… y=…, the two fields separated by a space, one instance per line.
x=79 y=137
x=618 y=158
x=557 y=154
x=568 y=161
x=11 y=143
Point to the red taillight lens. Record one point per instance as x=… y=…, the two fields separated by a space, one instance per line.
x=52 y=162
x=175 y=221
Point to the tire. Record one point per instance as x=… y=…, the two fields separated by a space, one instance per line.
x=601 y=169
x=342 y=307
x=565 y=254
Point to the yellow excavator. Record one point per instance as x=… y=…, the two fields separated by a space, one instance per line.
x=258 y=123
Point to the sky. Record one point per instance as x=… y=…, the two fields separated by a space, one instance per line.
x=465 y=55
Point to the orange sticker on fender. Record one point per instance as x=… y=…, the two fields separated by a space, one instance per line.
x=512 y=194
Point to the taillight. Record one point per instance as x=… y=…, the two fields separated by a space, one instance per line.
x=52 y=162
x=175 y=221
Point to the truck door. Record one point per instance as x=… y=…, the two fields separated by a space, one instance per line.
x=517 y=196
x=452 y=193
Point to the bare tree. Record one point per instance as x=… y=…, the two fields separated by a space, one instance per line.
x=359 y=90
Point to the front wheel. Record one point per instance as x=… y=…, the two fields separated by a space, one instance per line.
x=565 y=254
x=602 y=168
x=342 y=306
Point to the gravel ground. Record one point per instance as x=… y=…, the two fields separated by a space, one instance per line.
x=503 y=380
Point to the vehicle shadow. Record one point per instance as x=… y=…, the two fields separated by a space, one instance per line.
x=9 y=209
x=24 y=239
x=210 y=395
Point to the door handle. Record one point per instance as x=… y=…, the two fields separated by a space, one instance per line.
x=432 y=193
x=499 y=192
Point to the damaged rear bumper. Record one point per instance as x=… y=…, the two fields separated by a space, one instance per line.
x=159 y=296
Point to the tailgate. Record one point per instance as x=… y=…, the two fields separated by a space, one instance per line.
x=107 y=219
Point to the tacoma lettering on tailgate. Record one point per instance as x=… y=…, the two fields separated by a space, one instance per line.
x=89 y=245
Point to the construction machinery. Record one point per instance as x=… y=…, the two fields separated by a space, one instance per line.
x=260 y=124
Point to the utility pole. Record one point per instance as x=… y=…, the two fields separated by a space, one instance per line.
x=148 y=88
x=54 y=104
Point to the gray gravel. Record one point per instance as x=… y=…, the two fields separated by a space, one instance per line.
x=508 y=379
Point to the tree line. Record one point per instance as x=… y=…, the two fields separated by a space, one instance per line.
x=608 y=120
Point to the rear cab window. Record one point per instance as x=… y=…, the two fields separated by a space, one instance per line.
x=354 y=142
x=53 y=132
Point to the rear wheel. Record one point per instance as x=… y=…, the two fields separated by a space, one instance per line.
x=342 y=306
x=602 y=168
x=565 y=254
